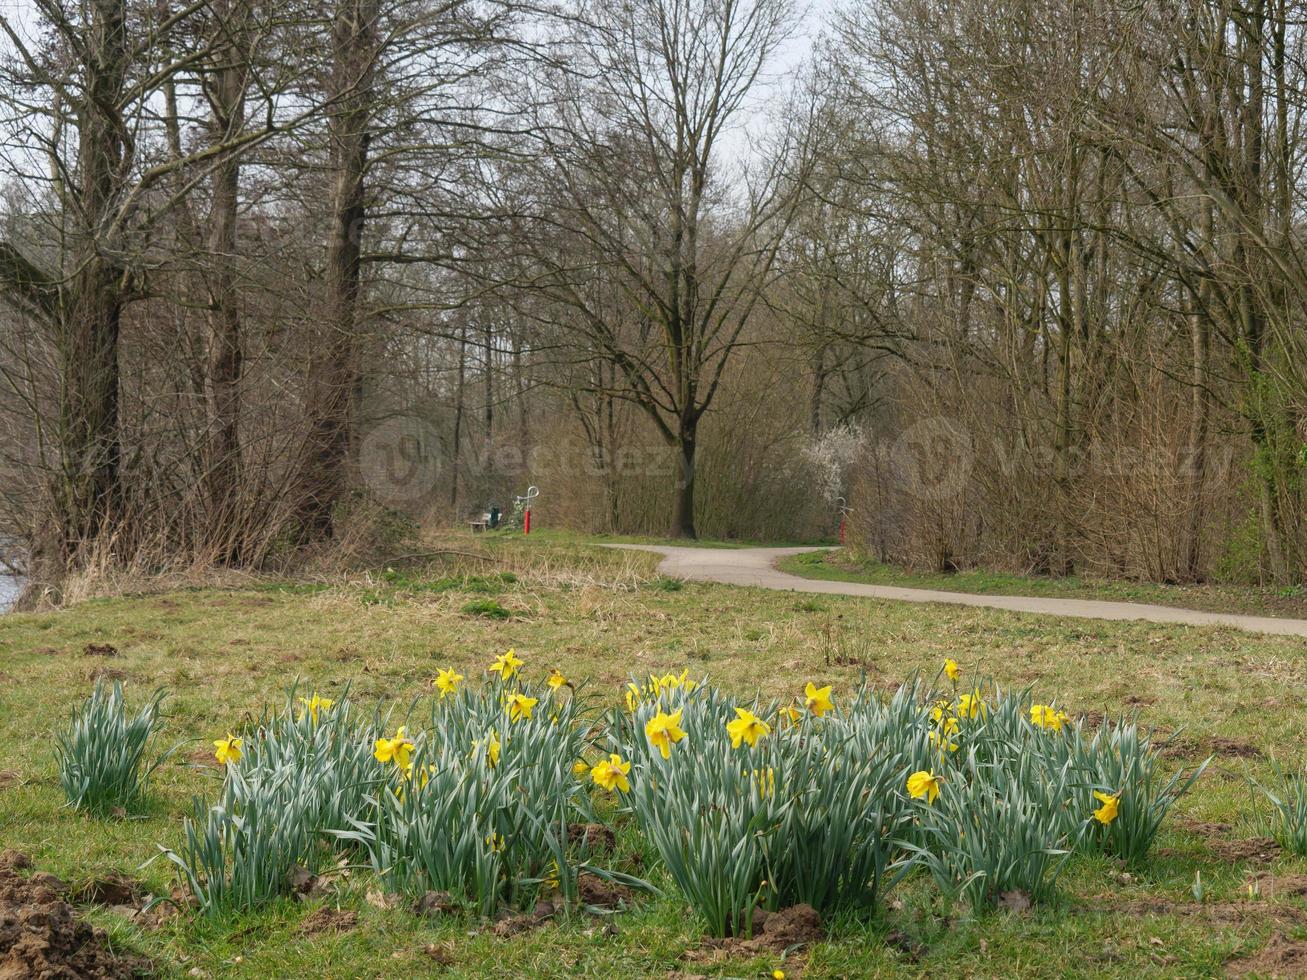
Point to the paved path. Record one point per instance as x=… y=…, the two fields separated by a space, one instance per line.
x=757 y=566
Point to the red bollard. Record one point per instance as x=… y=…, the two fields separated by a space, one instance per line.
x=526 y=521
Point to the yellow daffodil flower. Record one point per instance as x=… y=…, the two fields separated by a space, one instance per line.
x=941 y=710
x=398 y=750
x=777 y=975
x=938 y=741
x=923 y=784
x=747 y=727
x=790 y=715
x=506 y=665
x=556 y=679
x=1046 y=717
x=816 y=699
x=492 y=748
x=611 y=773
x=447 y=681
x=519 y=706
x=579 y=768
x=227 y=750
x=632 y=697
x=313 y=705
x=1106 y=813
x=495 y=841
x=951 y=668
x=765 y=780
x=663 y=730
x=971 y=706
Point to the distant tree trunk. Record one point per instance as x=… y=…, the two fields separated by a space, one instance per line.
x=87 y=493
x=1200 y=342
x=223 y=470
x=819 y=373
x=333 y=369
x=457 y=447
x=686 y=445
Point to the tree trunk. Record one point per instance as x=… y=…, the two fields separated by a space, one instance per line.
x=683 y=515
x=223 y=471
x=457 y=447
x=87 y=493
x=333 y=370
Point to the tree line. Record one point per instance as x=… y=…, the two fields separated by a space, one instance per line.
x=1022 y=284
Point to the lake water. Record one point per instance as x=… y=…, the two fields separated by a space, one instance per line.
x=10 y=587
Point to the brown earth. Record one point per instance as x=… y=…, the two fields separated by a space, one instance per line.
x=42 y=936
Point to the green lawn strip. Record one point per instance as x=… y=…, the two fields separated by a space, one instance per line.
x=839 y=566
x=221 y=654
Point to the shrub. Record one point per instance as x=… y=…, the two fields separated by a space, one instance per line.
x=102 y=754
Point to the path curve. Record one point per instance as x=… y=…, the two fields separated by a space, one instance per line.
x=757 y=567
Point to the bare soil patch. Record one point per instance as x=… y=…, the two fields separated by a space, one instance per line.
x=327 y=919
x=42 y=936
x=1258 y=850
x=774 y=933
x=1280 y=957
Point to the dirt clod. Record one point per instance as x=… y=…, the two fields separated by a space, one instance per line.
x=14 y=860
x=328 y=920
x=439 y=954
x=594 y=891
x=1259 y=850
x=1281 y=886
x=434 y=903
x=594 y=835
x=111 y=889
x=41 y=936
x=100 y=650
x=516 y=924
x=1280 y=957
x=774 y=932
x=49 y=882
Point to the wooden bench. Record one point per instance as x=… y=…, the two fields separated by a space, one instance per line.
x=478 y=526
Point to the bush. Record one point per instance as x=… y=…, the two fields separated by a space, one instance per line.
x=102 y=754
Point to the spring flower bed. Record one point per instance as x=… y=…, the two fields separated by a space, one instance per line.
x=827 y=800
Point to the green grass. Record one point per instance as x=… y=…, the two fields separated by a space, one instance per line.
x=600 y=615
x=839 y=566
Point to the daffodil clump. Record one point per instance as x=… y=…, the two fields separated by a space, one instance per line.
x=1012 y=788
x=290 y=778
x=105 y=756
x=1285 y=816
x=759 y=805
x=477 y=802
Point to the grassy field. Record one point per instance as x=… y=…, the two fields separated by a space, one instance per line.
x=601 y=616
x=838 y=566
